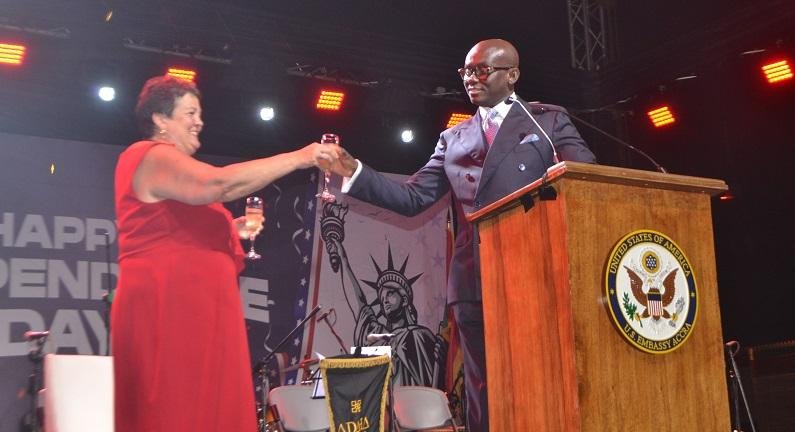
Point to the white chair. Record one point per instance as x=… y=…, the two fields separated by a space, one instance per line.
x=419 y=407
x=298 y=412
x=79 y=393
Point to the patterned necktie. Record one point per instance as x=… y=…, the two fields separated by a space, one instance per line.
x=491 y=127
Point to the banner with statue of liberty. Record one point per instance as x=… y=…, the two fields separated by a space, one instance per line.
x=384 y=274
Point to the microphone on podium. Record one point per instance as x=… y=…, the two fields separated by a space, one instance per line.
x=546 y=192
x=555 y=159
x=537 y=108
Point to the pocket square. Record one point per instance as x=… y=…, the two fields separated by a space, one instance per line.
x=529 y=138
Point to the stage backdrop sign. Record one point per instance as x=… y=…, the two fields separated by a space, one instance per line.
x=57 y=231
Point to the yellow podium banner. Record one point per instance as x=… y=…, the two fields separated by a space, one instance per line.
x=356 y=392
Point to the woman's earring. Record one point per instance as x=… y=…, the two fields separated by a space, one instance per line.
x=162 y=131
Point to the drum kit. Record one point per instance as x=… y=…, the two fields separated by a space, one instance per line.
x=267 y=414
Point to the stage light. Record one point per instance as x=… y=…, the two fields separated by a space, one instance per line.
x=456 y=118
x=106 y=93
x=330 y=100
x=12 y=54
x=267 y=113
x=726 y=196
x=407 y=136
x=661 y=116
x=777 y=71
x=186 y=74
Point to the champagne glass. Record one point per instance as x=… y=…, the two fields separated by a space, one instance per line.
x=326 y=196
x=254 y=218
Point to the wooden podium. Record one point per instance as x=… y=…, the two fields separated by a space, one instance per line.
x=555 y=359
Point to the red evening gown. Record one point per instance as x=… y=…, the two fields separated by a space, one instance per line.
x=180 y=350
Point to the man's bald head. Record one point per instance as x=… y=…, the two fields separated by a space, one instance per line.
x=490 y=90
x=500 y=49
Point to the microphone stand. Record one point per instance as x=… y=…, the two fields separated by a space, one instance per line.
x=30 y=421
x=657 y=166
x=334 y=332
x=108 y=296
x=259 y=367
x=734 y=375
x=542 y=109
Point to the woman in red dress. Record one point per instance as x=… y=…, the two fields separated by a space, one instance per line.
x=180 y=350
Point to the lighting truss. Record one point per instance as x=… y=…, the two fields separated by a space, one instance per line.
x=332 y=74
x=59 y=33
x=175 y=50
x=587 y=34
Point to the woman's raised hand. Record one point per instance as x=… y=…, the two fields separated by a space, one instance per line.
x=318 y=155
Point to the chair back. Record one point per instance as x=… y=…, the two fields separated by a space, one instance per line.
x=419 y=407
x=78 y=394
x=298 y=412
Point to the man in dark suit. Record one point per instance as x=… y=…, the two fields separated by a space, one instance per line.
x=499 y=150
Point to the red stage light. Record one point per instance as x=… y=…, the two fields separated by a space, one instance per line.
x=727 y=196
x=329 y=100
x=456 y=118
x=12 y=54
x=778 y=71
x=186 y=74
x=661 y=116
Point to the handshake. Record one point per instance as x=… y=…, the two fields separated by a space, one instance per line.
x=329 y=158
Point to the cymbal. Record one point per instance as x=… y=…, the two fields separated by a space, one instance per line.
x=301 y=365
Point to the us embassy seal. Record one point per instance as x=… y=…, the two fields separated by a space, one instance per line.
x=651 y=291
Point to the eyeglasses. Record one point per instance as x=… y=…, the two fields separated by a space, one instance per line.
x=481 y=71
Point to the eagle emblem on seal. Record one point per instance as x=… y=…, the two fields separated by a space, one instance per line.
x=654 y=299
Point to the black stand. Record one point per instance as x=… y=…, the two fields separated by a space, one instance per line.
x=31 y=421
x=108 y=296
x=324 y=318
x=260 y=367
x=737 y=384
